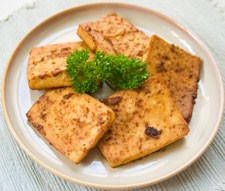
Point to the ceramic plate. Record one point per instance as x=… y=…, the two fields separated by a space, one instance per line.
x=94 y=170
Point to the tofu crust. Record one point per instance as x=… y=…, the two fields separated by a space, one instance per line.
x=47 y=65
x=114 y=35
x=147 y=120
x=71 y=122
x=179 y=69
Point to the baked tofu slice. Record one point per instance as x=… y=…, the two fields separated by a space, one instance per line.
x=147 y=120
x=179 y=69
x=47 y=65
x=114 y=35
x=71 y=122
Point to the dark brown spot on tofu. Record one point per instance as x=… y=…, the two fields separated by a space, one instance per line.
x=162 y=149
x=41 y=76
x=190 y=75
x=140 y=53
x=105 y=101
x=152 y=132
x=42 y=115
x=100 y=121
x=144 y=89
x=114 y=100
x=160 y=67
x=56 y=72
x=88 y=28
x=172 y=48
x=39 y=127
x=53 y=51
x=66 y=49
x=194 y=95
x=139 y=103
x=178 y=70
x=62 y=54
x=67 y=96
x=165 y=57
x=108 y=138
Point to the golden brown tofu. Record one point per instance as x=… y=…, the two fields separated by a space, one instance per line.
x=114 y=35
x=71 y=122
x=179 y=69
x=47 y=65
x=147 y=120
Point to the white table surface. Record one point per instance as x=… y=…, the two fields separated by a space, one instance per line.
x=9 y=7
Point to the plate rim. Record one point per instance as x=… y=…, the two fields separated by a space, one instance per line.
x=104 y=186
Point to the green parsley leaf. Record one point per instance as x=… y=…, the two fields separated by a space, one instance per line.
x=119 y=72
x=82 y=72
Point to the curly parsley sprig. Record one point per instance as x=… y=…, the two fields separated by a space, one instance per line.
x=119 y=72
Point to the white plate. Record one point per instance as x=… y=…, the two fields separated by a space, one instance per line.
x=94 y=170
